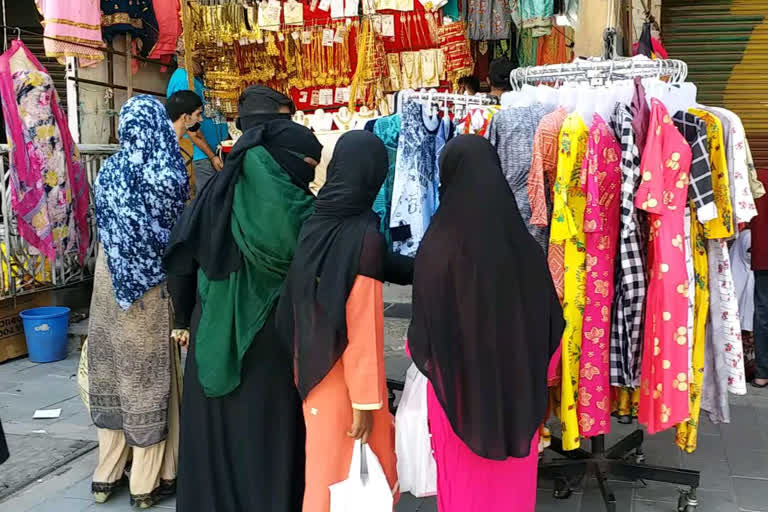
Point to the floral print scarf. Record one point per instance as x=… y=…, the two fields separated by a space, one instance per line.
x=49 y=193
x=140 y=193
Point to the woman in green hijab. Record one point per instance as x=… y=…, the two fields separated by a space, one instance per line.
x=242 y=434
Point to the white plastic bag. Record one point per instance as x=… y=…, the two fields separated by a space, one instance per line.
x=416 y=467
x=366 y=488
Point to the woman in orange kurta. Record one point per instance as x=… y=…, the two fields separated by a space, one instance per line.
x=332 y=315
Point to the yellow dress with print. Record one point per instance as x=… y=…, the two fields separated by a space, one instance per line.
x=688 y=431
x=568 y=230
x=722 y=225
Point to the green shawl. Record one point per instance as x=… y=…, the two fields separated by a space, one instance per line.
x=268 y=211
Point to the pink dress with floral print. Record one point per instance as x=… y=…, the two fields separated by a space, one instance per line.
x=665 y=168
x=602 y=186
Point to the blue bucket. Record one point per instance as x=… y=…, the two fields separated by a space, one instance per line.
x=46 y=333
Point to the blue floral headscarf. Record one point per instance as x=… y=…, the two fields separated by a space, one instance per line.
x=140 y=193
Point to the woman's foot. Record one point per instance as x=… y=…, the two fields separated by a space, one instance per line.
x=101 y=497
x=760 y=383
x=102 y=491
x=144 y=501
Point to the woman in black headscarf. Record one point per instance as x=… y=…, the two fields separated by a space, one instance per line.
x=331 y=314
x=486 y=321
x=242 y=434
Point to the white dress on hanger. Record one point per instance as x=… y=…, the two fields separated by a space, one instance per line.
x=744 y=278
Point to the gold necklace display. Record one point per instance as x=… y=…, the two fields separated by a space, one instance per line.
x=236 y=52
x=429 y=69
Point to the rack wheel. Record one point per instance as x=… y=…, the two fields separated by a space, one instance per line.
x=687 y=501
x=562 y=490
x=639 y=456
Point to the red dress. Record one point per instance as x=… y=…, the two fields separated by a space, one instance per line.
x=665 y=169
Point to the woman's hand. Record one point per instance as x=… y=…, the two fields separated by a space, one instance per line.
x=180 y=336
x=362 y=425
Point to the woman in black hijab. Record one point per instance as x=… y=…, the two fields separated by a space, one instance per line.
x=331 y=315
x=242 y=431
x=486 y=321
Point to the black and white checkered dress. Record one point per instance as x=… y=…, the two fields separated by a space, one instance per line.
x=631 y=283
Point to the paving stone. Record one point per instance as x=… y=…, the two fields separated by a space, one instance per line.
x=428 y=505
x=545 y=502
x=408 y=503
x=592 y=500
x=751 y=494
x=714 y=501
x=63 y=505
x=657 y=491
x=651 y=506
x=755 y=465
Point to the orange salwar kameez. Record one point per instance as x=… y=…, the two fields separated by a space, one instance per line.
x=358 y=380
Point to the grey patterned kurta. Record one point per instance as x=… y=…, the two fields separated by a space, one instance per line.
x=629 y=299
x=511 y=132
x=129 y=361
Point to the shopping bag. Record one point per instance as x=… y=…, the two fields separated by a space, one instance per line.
x=366 y=488
x=82 y=376
x=416 y=467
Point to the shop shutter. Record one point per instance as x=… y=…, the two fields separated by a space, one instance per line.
x=725 y=43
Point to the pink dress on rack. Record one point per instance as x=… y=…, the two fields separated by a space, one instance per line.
x=665 y=168
x=602 y=186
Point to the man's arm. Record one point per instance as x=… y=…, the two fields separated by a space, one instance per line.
x=199 y=141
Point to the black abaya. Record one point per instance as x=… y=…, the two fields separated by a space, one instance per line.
x=245 y=451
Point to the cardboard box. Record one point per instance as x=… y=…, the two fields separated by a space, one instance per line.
x=12 y=341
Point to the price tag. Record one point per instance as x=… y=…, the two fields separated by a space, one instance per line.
x=280 y=37
x=303 y=96
x=326 y=96
x=352 y=8
x=339 y=96
x=388 y=25
x=294 y=13
x=296 y=35
x=339 y=37
x=337 y=9
x=306 y=37
x=272 y=16
x=315 y=98
x=327 y=37
x=325 y=5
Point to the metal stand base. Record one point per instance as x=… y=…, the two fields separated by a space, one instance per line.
x=615 y=462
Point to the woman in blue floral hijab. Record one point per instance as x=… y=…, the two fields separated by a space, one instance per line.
x=132 y=364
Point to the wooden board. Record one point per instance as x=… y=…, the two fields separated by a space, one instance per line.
x=12 y=341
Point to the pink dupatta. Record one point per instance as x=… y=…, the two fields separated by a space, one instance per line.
x=26 y=170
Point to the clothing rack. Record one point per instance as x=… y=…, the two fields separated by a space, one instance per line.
x=445 y=97
x=624 y=460
x=599 y=71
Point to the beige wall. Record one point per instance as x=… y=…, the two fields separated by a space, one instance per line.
x=95 y=117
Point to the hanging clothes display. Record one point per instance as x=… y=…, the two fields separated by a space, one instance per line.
x=541 y=187
x=639 y=213
x=416 y=182
x=665 y=172
x=568 y=230
x=629 y=303
x=49 y=187
x=512 y=133
x=168 y=15
x=72 y=29
x=602 y=183
x=134 y=17
x=488 y=19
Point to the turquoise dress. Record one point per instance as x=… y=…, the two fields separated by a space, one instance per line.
x=388 y=130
